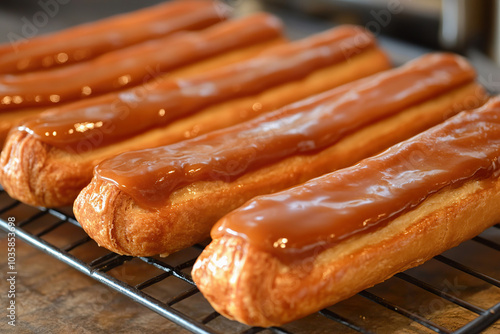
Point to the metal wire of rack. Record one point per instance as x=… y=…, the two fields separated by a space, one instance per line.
x=34 y=226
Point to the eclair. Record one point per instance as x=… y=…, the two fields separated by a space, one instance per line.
x=47 y=160
x=26 y=53
x=180 y=55
x=160 y=200
x=282 y=256
x=134 y=65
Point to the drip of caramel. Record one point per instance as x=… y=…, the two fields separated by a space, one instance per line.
x=307 y=219
x=113 y=117
x=150 y=176
x=135 y=65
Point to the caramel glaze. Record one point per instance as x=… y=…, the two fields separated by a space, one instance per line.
x=150 y=176
x=133 y=65
x=122 y=115
x=304 y=220
x=87 y=41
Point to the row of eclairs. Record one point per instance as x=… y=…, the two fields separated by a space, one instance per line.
x=316 y=167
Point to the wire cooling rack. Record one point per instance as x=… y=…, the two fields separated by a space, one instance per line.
x=442 y=288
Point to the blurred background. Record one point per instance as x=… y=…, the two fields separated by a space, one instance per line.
x=407 y=28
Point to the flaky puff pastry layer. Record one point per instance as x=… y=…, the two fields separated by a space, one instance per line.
x=113 y=218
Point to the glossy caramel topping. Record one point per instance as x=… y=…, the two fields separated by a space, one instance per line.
x=309 y=218
x=149 y=176
x=123 y=115
x=87 y=41
x=134 y=65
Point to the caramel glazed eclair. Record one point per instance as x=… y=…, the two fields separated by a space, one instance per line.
x=283 y=256
x=161 y=200
x=87 y=41
x=26 y=95
x=48 y=160
x=127 y=67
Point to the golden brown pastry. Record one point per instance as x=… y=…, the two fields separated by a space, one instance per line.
x=48 y=160
x=282 y=256
x=160 y=200
x=134 y=65
x=26 y=53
